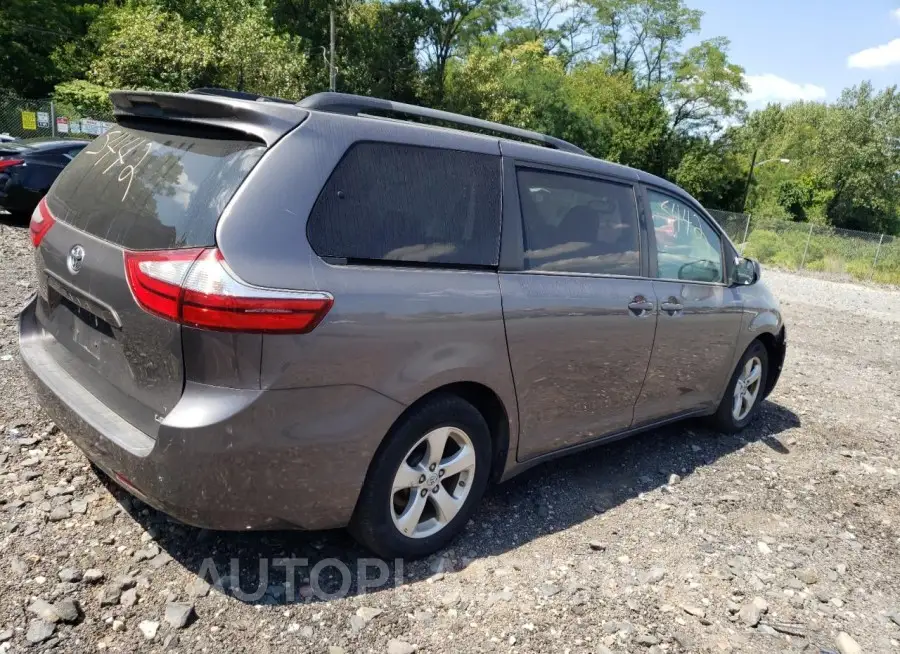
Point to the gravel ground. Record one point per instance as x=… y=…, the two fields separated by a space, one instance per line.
x=785 y=538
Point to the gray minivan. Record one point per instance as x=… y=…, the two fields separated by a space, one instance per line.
x=255 y=314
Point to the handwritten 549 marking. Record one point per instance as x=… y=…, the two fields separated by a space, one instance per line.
x=120 y=145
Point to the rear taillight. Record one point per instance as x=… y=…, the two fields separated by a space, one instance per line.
x=9 y=163
x=41 y=222
x=197 y=288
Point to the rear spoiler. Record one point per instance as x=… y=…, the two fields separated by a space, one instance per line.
x=266 y=121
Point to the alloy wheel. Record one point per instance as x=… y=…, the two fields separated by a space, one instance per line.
x=432 y=483
x=746 y=389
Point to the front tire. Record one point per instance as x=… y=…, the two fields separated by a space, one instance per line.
x=745 y=391
x=426 y=480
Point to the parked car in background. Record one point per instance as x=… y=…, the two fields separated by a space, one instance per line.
x=6 y=138
x=27 y=169
x=258 y=315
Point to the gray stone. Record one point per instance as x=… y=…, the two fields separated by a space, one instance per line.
x=107 y=515
x=123 y=582
x=647 y=640
x=39 y=631
x=895 y=617
x=695 y=611
x=129 y=597
x=79 y=506
x=147 y=553
x=334 y=649
x=400 y=647
x=368 y=613
x=67 y=610
x=547 y=590
x=504 y=595
x=43 y=610
x=674 y=479
x=148 y=628
x=846 y=645
x=598 y=546
x=197 y=588
x=158 y=561
x=109 y=596
x=18 y=566
x=6 y=635
x=60 y=513
x=70 y=575
x=93 y=575
x=652 y=576
x=808 y=576
x=750 y=614
x=178 y=614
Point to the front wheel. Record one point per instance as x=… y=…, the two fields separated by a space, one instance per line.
x=425 y=481
x=745 y=391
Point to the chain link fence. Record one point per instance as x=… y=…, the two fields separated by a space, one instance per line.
x=24 y=118
x=843 y=254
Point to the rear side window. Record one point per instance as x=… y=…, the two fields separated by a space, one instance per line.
x=579 y=225
x=390 y=202
x=147 y=190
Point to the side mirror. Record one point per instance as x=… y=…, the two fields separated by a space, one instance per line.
x=746 y=271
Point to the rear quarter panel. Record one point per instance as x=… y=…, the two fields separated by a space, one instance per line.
x=400 y=332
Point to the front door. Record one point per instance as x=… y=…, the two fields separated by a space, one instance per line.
x=699 y=315
x=580 y=312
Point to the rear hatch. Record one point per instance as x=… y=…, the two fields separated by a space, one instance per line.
x=157 y=181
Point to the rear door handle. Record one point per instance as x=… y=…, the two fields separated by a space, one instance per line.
x=640 y=306
x=671 y=307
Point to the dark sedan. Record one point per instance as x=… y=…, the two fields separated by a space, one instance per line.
x=28 y=168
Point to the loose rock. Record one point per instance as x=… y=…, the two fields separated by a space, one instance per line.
x=178 y=614
x=39 y=631
x=846 y=645
x=400 y=647
x=148 y=628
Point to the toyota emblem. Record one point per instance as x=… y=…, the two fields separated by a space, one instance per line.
x=76 y=259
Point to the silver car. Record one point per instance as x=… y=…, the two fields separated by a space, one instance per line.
x=261 y=315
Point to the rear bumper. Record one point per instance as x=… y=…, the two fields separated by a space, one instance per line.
x=230 y=459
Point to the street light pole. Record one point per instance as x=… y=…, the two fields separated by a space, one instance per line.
x=753 y=166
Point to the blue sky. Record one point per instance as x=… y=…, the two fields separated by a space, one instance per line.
x=807 y=49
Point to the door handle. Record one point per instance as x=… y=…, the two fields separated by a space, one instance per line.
x=640 y=306
x=672 y=306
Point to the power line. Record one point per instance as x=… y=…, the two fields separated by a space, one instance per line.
x=33 y=28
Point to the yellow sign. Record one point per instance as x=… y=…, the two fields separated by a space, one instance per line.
x=29 y=120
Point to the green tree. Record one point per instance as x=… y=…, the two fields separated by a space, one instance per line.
x=149 y=48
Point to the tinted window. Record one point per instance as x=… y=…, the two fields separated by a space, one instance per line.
x=405 y=203
x=150 y=190
x=576 y=224
x=687 y=247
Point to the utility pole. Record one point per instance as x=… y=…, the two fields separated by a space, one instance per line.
x=749 y=179
x=332 y=71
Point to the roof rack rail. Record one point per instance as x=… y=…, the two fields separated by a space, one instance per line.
x=354 y=105
x=238 y=95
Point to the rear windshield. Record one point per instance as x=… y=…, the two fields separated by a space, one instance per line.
x=148 y=190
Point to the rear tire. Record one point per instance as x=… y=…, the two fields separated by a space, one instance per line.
x=408 y=507
x=745 y=391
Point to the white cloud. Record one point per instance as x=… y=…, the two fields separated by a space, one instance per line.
x=772 y=88
x=881 y=56
x=896 y=14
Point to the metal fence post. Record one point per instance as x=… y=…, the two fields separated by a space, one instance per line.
x=875 y=260
x=746 y=230
x=806 y=249
x=53 y=118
